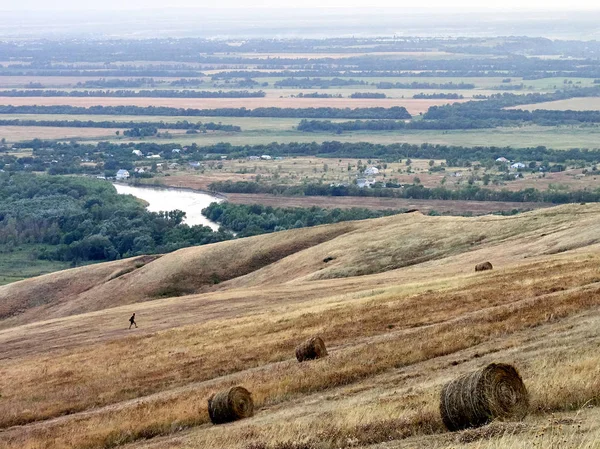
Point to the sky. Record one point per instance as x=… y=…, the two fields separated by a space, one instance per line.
x=78 y=5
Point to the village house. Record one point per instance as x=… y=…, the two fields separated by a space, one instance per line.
x=502 y=159
x=372 y=171
x=122 y=174
x=364 y=183
x=517 y=165
x=138 y=153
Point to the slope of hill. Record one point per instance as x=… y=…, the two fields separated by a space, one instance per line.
x=396 y=300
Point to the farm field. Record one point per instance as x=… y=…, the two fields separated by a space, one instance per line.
x=483 y=85
x=246 y=123
x=18 y=265
x=559 y=137
x=574 y=104
x=413 y=106
x=398 y=300
x=19 y=133
x=424 y=206
x=400 y=317
x=297 y=170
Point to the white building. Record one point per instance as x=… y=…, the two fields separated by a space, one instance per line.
x=517 y=165
x=266 y=157
x=122 y=174
x=372 y=171
x=137 y=153
x=364 y=183
x=502 y=159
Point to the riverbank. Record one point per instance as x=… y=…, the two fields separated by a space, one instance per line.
x=170 y=198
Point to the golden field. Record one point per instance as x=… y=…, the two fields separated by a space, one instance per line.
x=400 y=308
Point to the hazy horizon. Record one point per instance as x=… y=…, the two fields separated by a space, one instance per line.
x=30 y=19
x=108 y=5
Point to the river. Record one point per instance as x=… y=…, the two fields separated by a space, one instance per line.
x=188 y=201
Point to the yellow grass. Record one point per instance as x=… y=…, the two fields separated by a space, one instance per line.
x=400 y=309
x=17 y=133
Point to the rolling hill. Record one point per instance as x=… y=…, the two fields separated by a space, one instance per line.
x=396 y=300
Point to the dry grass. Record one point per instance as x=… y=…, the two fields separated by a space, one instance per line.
x=17 y=133
x=394 y=339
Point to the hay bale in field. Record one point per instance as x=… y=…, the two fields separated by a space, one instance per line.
x=230 y=405
x=483 y=266
x=477 y=398
x=313 y=348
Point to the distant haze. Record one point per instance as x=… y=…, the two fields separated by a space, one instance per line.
x=73 y=5
x=333 y=18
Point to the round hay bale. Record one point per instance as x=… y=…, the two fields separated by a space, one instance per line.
x=313 y=348
x=477 y=398
x=483 y=266
x=230 y=405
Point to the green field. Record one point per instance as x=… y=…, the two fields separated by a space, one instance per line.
x=561 y=137
x=21 y=264
x=246 y=123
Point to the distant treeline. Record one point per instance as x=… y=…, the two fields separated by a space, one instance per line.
x=421 y=85
x=247 y=220
x=396 y=112
x=125 y=72
x=439 y=96
x=388 y=125
x=104 y=83
x=367 y=95
x=356 y=125
x=413 y=191
x=458 y=73
x=133 y=93
x=454 y=155
x=78 y=219
x=117 y=124
x=202 y=50
x=318 y=95
x=307 y=83
x=494 y=109
x=509 y=87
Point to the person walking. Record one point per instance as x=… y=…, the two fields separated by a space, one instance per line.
x=132 y=321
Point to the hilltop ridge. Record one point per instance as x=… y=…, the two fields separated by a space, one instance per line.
x=396 y=300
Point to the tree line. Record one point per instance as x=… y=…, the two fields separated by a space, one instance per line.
x=458 y=155
x=248 y=220
x=308 y=83
x=156 y=93
x=494 y=109
x=79 y=219
x=412 y=191
x=396 y=112
x=454 y=96
x=368 y=95
x=424 y=85
x=210 y=126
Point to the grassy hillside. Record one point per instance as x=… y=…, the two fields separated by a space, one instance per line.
x=399 y=306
